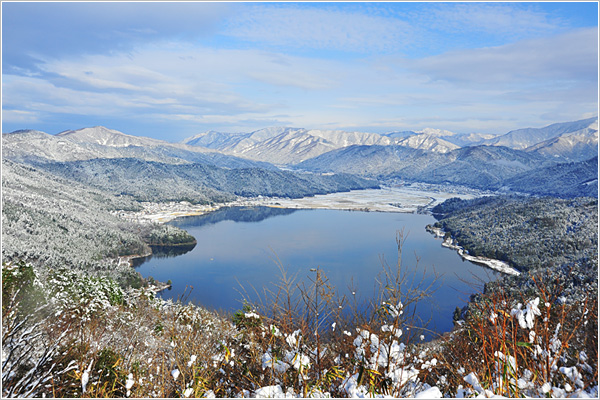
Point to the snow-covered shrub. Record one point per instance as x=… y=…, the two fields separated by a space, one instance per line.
x=28 y=350
x=536 y=348
x=75 y=292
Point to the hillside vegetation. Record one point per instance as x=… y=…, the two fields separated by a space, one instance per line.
x=576 y=179
x=198 y=183
x=529 y=233
x=481 y=167
x=548 y=239
x=56 y=223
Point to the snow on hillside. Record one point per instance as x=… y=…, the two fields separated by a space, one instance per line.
x=574 y=146
x=427 y=141
x=469 y=139
x=523 y=138
x=108 y=137
x=436 y=132
x=100 y=142
x=281 y=145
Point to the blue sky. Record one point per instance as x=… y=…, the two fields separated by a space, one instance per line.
x=172 y=70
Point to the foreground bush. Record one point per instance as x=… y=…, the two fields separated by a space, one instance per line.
x=76 y=336
x=539 y=347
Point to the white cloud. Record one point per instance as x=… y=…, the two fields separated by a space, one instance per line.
x=183 y=68
x=191 y=82
x=20 y=116
x=242 y=89
x=38 y=95
x=293 y=77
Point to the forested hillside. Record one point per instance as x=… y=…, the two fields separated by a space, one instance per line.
x=554 y=241
x=561 y=180
x=198 y=183
x=529 y=233
x=483 y=167
x=57 y=223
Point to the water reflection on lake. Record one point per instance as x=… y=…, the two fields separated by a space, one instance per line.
x=241 y=245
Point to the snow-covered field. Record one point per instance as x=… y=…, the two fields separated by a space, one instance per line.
x=408 y=199
x=391 y=199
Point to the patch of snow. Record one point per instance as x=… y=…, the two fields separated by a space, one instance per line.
x=431 y=393
x=269 y=392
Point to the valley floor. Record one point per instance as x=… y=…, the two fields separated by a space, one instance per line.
x=406 y=198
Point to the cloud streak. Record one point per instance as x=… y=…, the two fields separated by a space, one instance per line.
x=570 y=56
x=507 y=20
x=329 y=29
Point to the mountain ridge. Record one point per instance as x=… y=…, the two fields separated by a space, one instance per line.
x=482 y=167
x=423 y=155
x=285 y=145
x=523 y=138
x=99 y=142
x=196 y=182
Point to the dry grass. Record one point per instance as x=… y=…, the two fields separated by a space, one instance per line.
x=538 y=347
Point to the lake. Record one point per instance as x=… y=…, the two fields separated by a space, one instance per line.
x=239 y=246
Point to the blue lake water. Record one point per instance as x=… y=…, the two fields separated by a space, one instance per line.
x=239 y=245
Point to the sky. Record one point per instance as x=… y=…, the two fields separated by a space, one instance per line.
x=173 y=70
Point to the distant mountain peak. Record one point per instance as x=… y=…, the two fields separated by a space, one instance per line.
x=435 y=132
x=27 y=132
x=523 y=138
x=192 y=139
x=108 y=137
x=428 y=141
x=97 y=130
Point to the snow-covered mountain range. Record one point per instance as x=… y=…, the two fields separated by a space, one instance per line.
x=522 y=139
x=569 y=141
x=281 y=145
x=100 y=142
x=153 y=170
x=430 y=155
x=479 y=160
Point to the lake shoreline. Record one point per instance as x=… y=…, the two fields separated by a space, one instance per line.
x=452 y=244
x=348 y=246
x=402 y=200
